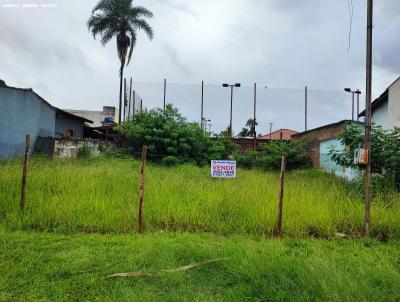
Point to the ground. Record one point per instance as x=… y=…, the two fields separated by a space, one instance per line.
x=79 y=226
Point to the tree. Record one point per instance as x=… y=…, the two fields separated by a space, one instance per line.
x=385 y=150
x=120 y=19
x=249 y=129
x=2 y=83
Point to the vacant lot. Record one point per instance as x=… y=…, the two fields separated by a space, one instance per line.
x=50 y=267
x=101 y=195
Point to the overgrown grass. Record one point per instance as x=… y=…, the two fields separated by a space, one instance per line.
x=101 y=195
x=51 y=267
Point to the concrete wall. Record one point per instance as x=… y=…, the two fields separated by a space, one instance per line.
x=22 y=112
x=394 y=105
x=380 y=116
x=70 y=148
x=65 y=122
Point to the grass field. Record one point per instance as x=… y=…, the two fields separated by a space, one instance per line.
x=101 y=195
x=54 y=267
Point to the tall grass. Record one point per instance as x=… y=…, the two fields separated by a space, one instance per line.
x=101 y=195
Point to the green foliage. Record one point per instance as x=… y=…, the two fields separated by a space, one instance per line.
x=271 y=155
x=248 y=130
x=385 y=151
x=167 y=133
x=84 y=151
x=255 y=269
x=2 y=83
x=101 y=195
x=170 y=161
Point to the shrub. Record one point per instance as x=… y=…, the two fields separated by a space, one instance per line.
x=84 y=151
x=170 y=161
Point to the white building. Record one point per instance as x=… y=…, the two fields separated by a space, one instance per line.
x=386 y=108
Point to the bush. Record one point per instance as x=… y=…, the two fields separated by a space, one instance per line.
x=84 y=151
x=168 y=134
x=271 y=156
x=170 y=161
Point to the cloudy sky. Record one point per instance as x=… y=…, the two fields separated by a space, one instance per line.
x=280 y=44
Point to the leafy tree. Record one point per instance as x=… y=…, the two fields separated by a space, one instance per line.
x=170 y=138
x=120 y=19
x=249 y=129
x=2 y=83
x=385 y=150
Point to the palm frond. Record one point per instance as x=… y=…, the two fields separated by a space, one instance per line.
x=132 y=46
x=140 y=11
x=143 y=25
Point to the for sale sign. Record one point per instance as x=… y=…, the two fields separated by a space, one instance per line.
x=223 y=169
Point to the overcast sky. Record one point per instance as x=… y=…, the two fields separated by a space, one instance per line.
x=281 y=44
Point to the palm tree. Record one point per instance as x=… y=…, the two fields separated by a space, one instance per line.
x=120 y=19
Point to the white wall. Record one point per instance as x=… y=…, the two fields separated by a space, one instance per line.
x=380 y=116
x=394 y=105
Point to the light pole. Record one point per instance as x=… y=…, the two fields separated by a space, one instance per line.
x=358 y=92
x=231 y=86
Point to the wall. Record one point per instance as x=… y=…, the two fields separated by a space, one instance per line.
x=96 y=116
x=65 y=122
x=69 y=148
x=380 y=116
x=394 y=105
x=22 y=112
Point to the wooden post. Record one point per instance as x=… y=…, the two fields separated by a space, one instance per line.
x=141 y=194
x=24 y=172
x=278 y=230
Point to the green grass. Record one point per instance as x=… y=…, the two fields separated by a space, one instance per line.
x=101 y=195
x=54 y=267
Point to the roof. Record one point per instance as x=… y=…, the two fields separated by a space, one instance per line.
x=382 y=99
x=65 y=113
x=58 y=111
x=286 y=134
x=327 y=126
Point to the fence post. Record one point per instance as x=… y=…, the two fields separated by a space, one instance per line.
x=278 y=229
x=141 y=194
x=24 y=172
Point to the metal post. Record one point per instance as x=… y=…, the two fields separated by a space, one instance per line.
x=352 y=106
x=202 y=104
x=230 y=123
x=24 y=172
x=134 y=102
x=254 y=119
x=358 y=105
x=270 y=131
x=130 y=99
x=368 y=93
x=141 y=105
x=305 y=107
x=165 y=91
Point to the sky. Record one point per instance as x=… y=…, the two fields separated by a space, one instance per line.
x=282 y=45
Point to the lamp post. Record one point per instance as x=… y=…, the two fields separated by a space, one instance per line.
x=231 y=86
x=358 y=92
x=353 y=92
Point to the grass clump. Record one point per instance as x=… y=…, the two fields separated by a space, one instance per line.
x=101 y=195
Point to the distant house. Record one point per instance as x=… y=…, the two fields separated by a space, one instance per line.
x=386 y=108
x=108 y=114
x=281 y=134
x=320 y=141
x=23 y=112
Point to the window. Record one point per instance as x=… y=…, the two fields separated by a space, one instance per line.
x=69 y=133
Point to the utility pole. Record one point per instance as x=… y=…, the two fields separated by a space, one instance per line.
x=358 y=92
x=270 y=131
x=368 y=96
x=134 y=103
x=254 y=119
x=202 y=104
x=305 y=107
x=165 y=91
x=231 y=86
x=130 y=99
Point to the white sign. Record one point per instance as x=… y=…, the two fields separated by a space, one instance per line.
x=223 y=169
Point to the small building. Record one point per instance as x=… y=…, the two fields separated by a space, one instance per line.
x=386 y=108
x=108 y=114
x=281 y=134
x=70 y=125
x=320 y=141
x=23 y=111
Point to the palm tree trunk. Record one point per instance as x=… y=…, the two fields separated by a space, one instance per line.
x=121 y=75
